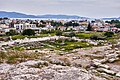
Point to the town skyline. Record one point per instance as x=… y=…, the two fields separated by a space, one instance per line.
x=91 y=8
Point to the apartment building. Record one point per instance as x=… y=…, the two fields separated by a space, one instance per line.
x=22 y=26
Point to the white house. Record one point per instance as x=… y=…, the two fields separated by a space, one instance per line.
x=21 y=27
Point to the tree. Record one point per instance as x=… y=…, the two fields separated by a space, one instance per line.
x=116 y=22
x=89 y=28
x=11 y=33
x=58 y=33
x=117 y=25
x=43 y=22
x=5 y=18
x=56 y=23
x=28 y=32
x=71 y=24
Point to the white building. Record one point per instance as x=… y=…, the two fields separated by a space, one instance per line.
x=21 y=27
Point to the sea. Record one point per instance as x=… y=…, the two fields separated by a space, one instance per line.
x=57 y=19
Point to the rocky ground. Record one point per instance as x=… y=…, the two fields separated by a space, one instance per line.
x=97 y=63
x=92 y=63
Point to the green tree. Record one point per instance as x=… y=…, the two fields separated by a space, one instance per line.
x=28 y=32
x=117 y=25
x=43 y=22
x=116 y=22
x=89 y=28
x=71 y=23
x=57 y=24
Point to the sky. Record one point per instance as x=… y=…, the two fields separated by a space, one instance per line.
x=84 y=8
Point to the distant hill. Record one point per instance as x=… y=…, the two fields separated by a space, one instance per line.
x=59 y=16
x=111 y=18
x=15 y=15
x=21 y=15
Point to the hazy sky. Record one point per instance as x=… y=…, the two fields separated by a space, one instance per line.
x=86 y=8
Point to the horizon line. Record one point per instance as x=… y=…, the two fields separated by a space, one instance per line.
x=58 y=14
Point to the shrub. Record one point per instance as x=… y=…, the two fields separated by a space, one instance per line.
x=109 y=34
x=44 y=31
x=97 y=37
x=66 y=61
x=13 y=57
x=71 y=34
x=94 y=37
x=2 y=56
x=59 y=33
x=47 y=31
x=28 y=32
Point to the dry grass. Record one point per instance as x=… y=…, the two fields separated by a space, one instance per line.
x=66 y=61
x=13 y=57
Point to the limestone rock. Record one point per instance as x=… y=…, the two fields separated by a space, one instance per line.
x=106 y=71
x=118 y=74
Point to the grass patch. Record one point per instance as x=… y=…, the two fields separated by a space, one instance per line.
x=18 y=48
x=88 y=35
x=67 y=45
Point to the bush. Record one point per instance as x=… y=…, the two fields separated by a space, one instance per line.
x=58 y=33
x=44 y=31
x=109 y=34
x=96 y=37
x=47 y=31
x=28 y=32
x=71 y=34
x=2 y=56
